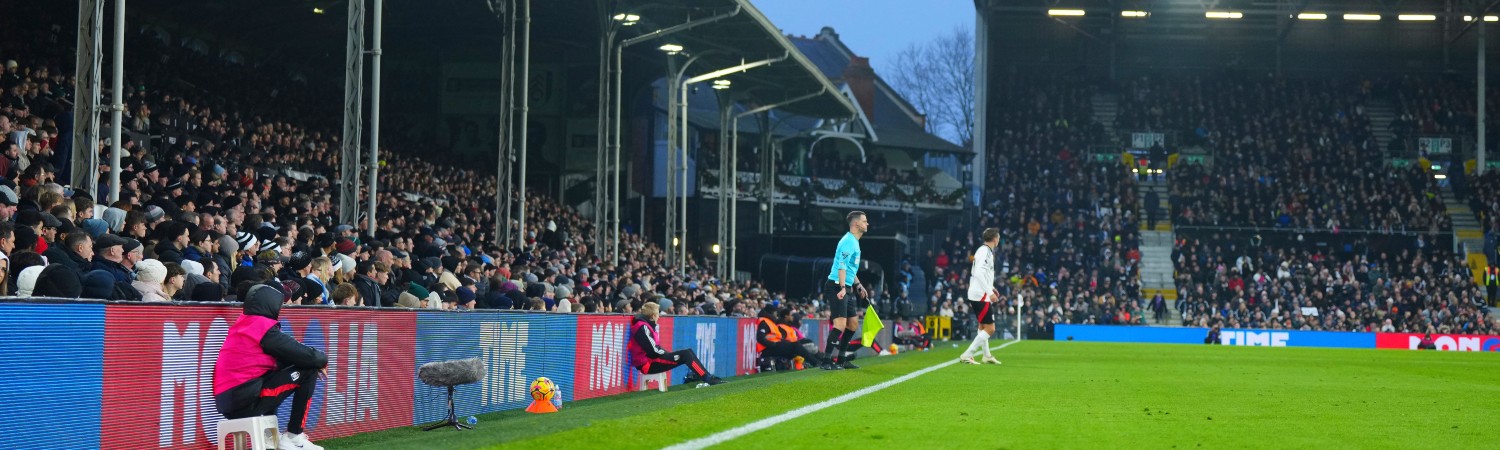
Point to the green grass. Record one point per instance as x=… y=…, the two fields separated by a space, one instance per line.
x=1047 y=395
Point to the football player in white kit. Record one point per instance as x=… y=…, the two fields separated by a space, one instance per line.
x=982 y=297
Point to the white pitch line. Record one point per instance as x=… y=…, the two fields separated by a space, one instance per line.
x=727 y=435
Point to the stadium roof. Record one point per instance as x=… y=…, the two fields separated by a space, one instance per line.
x=746 y=37
x=1308 y=35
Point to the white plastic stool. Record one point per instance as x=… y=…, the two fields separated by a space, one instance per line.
x=659 y=378
x=250 y=433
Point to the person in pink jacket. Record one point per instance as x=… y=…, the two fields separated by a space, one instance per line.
x=259 y=367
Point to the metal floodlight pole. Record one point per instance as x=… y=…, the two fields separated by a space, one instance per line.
x=616 y=120
x=683 y=106
x=87 y=83
x=505 y=153
x=525 y=114
x=1480 y=75
x=117 y=102
x=349 y=173
x=375 y=118
x=734 y=174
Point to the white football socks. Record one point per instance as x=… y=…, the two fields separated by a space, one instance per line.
x=980 y=341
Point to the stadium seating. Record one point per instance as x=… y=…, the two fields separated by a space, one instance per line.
x=221 y=149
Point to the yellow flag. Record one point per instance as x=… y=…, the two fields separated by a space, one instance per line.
x=872 y=326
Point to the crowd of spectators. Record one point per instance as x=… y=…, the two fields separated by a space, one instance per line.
x=1286 y=153
x=1237 y=283
x=1068 y=225
x=231 y=189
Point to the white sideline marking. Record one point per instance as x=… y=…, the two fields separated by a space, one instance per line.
x=730 y=434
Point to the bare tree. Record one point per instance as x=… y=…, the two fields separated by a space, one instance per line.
x=937 y=77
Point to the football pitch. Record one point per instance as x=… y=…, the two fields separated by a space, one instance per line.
x=1045 y=395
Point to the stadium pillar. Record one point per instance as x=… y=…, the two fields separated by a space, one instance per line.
x=670 y=200
x=117 y=102
x=981 y=102
x=1480 y=73
x=375 y=118
x=726 y=196
x=503 y=167
x=525 y=116
x=349 y=173
x=86 y=84
x=602 y=163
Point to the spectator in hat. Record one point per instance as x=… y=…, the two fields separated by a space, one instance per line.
x=134 y=253
x=8 y=202
x=109 y=256
x=26 y=281
x=99 y=285
x=149 y=276
x=466 y=298
x=193 y=274
x=58 y=281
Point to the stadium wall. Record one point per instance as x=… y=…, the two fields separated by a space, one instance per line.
x=133 y=375
x=1274 y=338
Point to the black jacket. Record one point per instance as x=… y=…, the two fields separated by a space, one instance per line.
x=265 y=301
x=166 y=252
x=67 y=257
x=369 y=291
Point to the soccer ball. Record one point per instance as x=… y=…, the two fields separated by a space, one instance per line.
x=543 y=390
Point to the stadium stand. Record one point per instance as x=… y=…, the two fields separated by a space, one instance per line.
x=223 y=165
x=1069 y=231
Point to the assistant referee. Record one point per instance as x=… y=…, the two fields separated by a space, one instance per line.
x=841 y=276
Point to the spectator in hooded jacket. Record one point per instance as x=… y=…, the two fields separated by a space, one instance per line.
x=259 y=367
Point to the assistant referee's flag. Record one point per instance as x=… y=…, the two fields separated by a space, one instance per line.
x=872 y=326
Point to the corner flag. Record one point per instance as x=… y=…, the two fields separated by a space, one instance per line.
x=872 y=326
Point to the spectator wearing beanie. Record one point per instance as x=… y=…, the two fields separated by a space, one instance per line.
x=448 y=277
x=194 y=276
x=149 y=275
x=58 y=281
x=26 y=282
x=99 y=285
x=466 y=298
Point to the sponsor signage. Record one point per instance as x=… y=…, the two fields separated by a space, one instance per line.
x=1443 y=342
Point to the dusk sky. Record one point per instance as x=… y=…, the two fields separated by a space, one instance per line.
x=877 y=29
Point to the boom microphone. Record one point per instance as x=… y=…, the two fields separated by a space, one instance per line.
x=452 y=372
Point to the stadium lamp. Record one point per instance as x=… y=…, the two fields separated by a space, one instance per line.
x=721 y=84
x=1365 y=17
x=674 y=241
x=1416 y=17
x=1224 y=15
x=627 y=19
x=1136 y=14
x=1065 y=12
x=716 y=249
x=671 y=49
x=1312 y=16
x=1486 y=18
x=317 y=10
